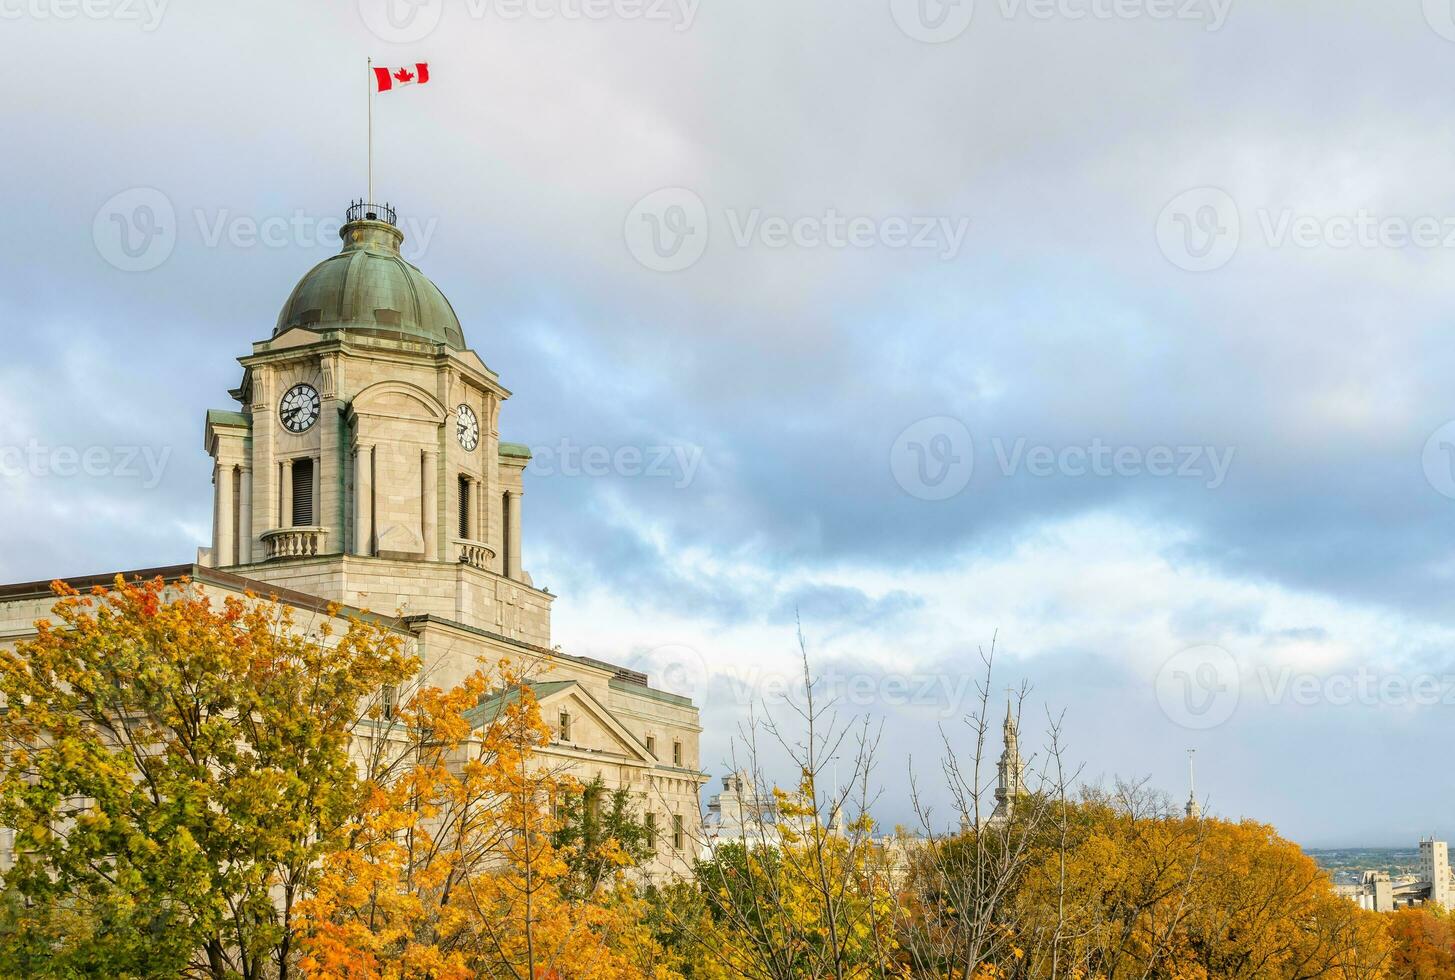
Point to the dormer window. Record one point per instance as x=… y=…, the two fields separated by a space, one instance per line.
x=652 y=746
x=676 y=753
x=564 y=726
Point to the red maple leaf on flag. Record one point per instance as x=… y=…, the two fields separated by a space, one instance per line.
x=386 y=79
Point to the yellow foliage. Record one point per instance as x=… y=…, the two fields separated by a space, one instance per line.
x=450 y=871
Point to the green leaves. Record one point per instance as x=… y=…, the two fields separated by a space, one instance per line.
x=171 y=766
x=599 y=834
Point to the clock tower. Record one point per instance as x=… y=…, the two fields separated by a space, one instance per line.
x=362 y=473
x=364 y=463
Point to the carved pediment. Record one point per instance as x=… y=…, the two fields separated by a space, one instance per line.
x=398 y=400
x=607 y=734
x=576 y=700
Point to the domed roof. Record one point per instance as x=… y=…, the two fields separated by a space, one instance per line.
x=369 y=289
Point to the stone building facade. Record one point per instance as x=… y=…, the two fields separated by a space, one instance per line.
x=364 y=466
x=1435 y=870
x=740 y=815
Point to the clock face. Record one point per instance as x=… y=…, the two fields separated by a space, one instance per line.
x=299 y=408
x=467 y=428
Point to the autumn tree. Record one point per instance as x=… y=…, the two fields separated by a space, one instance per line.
x=174 y=768
x=957 y=911
x=456 y=866
x=1422 y=940
x=1141 y=890
x=816 y=906
x=803 y=892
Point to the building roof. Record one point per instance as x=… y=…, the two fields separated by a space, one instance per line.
x=369 y=289
x=623 y=679
x=206 y=576
x=486 y=711
x=219 y=416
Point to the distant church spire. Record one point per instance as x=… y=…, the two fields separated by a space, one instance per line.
x=1010 y=771
x=1194 y=809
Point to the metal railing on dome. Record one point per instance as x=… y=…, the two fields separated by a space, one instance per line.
x=368 y=211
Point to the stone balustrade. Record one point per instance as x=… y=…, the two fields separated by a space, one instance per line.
x=475 y=553
x=294 y=542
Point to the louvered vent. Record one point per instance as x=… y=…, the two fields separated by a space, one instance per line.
x=465 y=508
x=303 y=493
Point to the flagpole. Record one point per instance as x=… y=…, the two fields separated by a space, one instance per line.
x=370 y=91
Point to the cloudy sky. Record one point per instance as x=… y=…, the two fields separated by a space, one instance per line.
x=1115 y=328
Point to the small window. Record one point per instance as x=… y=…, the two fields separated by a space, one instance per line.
x=465 y=508
x=303 y=492
x=565 y=726
x=652 y=746
x=678 y=836
x=676 y=753
x=652 y=829
x=387 y=699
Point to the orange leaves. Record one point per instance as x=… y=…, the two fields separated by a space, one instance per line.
x=1423 y=941
x=449 y=870
x=1192 y=898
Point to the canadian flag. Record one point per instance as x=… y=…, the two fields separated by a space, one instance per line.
x=387 y=78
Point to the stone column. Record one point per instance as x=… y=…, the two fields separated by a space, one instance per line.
x=329 y=498
x=364 y=500
x=482 y=511
x=285 y=493
x=318 y=518
x=264 y=460
x=216 y=514
x=430 y=462
x=245 y=517
x=224 y=554
x=512 y=533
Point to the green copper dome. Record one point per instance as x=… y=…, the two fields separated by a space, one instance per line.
x=368 y=289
